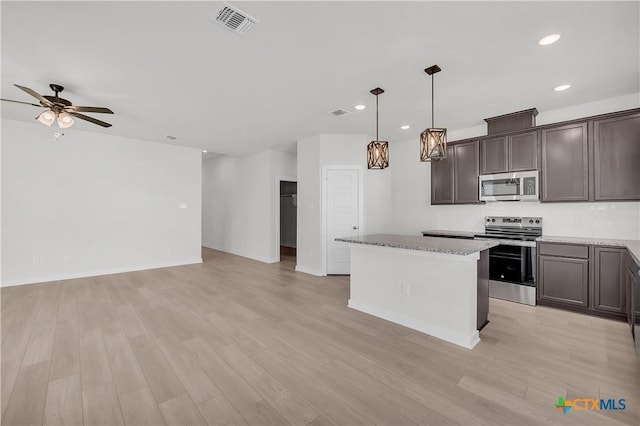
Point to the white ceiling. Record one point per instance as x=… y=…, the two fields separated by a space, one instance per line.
x=166 y=68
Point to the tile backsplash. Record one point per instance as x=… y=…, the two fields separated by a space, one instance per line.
x=601 y=220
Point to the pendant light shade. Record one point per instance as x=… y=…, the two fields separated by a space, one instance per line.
x=433 y=144
x=378 y=155
x=377 y=150
x=433 y=141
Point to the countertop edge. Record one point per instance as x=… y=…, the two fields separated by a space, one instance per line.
x=462 y=252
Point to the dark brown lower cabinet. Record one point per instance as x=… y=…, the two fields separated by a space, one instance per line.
x=609 y=292
x=483 y=290
x=631 y=276
x=630 y=281
x=589 y=279
x=564 y=280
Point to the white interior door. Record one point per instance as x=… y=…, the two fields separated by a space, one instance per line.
x=343 y=212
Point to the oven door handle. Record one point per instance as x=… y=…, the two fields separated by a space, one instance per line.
x=505 y=256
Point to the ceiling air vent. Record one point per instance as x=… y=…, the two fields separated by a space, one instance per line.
x=235 y=19
x=340 y=112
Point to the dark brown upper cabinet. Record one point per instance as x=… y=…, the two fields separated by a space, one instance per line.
x=589 y=159
x=442 y=179
x=493 y=155
x=510 y=153
x=565 y=163
x=616 y=158
x=465 y=169
x=454 y=180
x=522 y=151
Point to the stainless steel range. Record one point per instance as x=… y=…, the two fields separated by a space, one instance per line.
x=512 y=264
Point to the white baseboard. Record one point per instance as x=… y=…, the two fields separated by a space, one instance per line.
x=237 y=253
x=309 y=271
x=109 y=271
x=467 y=342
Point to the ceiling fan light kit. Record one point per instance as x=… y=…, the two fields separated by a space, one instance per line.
x=47 y=118
x=433 y=141
x=64 y=120
x=61 y=108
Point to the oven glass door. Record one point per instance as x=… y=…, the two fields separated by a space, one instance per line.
x=512 y=264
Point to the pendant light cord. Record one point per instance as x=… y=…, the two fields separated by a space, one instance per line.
x=377 y=118
x=432 y=107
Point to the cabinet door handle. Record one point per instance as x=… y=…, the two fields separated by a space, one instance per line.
x=355 y=227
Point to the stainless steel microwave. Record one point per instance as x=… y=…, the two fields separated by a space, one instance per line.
x=516 y=186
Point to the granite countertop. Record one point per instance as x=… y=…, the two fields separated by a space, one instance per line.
x=453 y=246
x=461 y=234
x=632 y=245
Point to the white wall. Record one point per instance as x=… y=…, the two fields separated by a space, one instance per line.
x=336 y=149
x=308 y=243
x=239 y=203
x=92 y=204
x=413 y=213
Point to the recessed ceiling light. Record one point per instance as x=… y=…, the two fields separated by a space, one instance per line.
x=360 y=107
x=561 y=87
x=204 y=151
x=550 y=39
x=405 y=127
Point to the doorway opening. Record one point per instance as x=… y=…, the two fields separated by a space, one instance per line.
x=288 y=220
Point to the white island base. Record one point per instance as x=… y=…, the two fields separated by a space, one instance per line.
x=434 y=293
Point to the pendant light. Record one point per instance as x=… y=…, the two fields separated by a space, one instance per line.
x=377 y=150
x=433 y=141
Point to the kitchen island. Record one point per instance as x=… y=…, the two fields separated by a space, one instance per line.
x=439 y=286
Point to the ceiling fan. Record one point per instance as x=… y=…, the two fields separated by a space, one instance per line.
x=60 y=108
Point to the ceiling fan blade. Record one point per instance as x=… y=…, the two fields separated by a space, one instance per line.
x=35 y=94
x=89 y=119
x=102 y=110
x=20 y=102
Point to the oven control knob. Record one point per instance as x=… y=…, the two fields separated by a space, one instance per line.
x=493 y=220
x=530 y=220
x=537 y=220
x=488 y=220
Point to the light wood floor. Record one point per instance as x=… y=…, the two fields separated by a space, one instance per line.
x=234 y=342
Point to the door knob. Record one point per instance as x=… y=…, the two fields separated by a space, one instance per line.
x=355 y=227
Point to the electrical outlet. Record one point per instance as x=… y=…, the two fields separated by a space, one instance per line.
x=406 y=289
